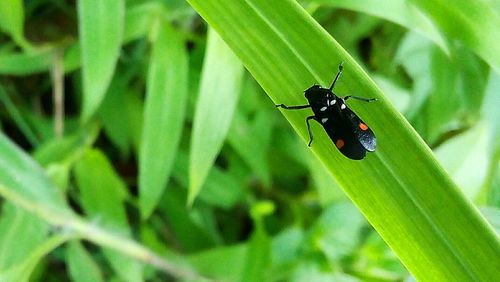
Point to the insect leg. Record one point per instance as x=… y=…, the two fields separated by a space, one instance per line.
x=309 y=129
x=359 y=98
x=341 y=67
x=292 y=107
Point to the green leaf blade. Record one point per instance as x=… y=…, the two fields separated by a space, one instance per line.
x=164 y=113
x=401 y=189
x=219 y=92
x=100 y=40
x=26 y=63
x=21 y=177
x=82 y=267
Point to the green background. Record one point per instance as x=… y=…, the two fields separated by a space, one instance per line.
x=140 y=141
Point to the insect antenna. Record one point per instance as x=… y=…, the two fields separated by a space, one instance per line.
x=341 y=67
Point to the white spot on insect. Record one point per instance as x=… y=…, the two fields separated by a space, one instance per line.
x=332 y=102
x=323 y=120
x=343 y=106
x=323 y=109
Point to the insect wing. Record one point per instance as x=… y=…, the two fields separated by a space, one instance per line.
x=362 y=132
x=345 y=139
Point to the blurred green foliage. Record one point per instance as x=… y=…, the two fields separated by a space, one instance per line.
x=157 y=110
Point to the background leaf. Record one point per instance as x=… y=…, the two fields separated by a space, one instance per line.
x=163 y=115
x=219 y=92
x=101 y=36
x=398 y=11
x=474 y=23
x=82 y=267
x=103 y=194
x=15 y=63
x=21 y=232
x=12 y=20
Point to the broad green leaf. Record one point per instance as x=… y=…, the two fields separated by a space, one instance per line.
x=474 y=23
x=219 y=92
x=102 y=196
x=398 y=11
x=82 y=267
x=26 y=63
x=400 y=189
x=163 y=115
x=101 y=25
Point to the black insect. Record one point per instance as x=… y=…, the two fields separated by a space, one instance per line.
x=348 y=132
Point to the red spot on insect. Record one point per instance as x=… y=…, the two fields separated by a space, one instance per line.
x=339 y=143
x=363 y=126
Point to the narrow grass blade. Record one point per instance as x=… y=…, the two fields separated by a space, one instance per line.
x=400 y=189
x=163 y=115
x=101 y=25
x=219 y=92
x=18 y=118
